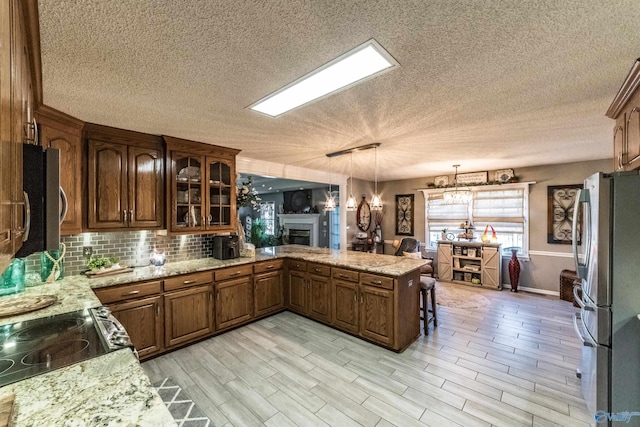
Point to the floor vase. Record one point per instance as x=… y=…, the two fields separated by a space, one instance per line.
x=514 y=270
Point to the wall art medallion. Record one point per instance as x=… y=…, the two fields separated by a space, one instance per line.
x=504 y=175
x=404 y=214
x=561 y=200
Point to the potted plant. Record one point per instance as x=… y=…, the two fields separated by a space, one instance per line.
x=443 y=234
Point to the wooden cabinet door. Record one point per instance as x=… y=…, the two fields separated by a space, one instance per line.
x=345 y=305
x=187 y=192
x=618 y=147
x=143 y=321
x=445 y=271
x=376 y=314
x=234 y=302
x=297 y=291
x=188 y=315
x=146 y=187
x=69 y=142
x=267 y=293
x=491 y=266
x=220 y=195
x=319 y=304
x=6 y=164
x=633 y=136
x=107 y=193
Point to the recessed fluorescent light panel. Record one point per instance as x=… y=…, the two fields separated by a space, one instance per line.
x=365 y=61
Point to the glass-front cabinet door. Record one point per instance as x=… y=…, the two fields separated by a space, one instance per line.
x=187 y=179
x=220 y=203
x=203 y=187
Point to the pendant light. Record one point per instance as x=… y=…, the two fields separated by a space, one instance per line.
x=457 y=195
x=376 y=200
x=352 y=205
x=330 y=204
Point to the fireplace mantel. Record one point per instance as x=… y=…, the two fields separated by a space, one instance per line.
x=303 y=222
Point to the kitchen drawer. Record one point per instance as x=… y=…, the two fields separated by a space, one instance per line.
x=263 y=267
x=319 y=269
x=342 y=274
x=231 y=273
x=377 y=281
x=126 y=292
x=297 y=265
x=188 y=280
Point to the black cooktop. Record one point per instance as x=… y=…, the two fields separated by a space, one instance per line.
x=37 y=346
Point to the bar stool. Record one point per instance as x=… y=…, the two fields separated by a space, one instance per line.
x=428 y=287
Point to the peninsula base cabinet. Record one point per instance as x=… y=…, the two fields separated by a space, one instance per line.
x=188 y=308
x=233 y=289
x=309 y=290
x=268 y=292
x=380 y=309
x=142 y=320
x=139 y=307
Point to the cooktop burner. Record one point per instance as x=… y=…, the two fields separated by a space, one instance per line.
x=37 y=346
x=49 y=330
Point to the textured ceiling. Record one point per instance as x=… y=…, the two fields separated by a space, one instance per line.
x=486 y=84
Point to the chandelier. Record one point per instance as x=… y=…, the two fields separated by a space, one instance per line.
x=457 y=195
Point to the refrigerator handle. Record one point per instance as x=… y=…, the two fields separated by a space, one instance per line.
x=582 y=197
x=585 y=342
x=579 y=300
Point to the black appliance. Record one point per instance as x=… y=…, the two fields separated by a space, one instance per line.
x=45 y=202
x=226 y=247
x=33 y=347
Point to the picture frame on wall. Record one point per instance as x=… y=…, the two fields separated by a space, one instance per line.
x=561 y=201
x=404 y=214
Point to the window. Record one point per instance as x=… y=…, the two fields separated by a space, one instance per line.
x=267 y=215
x=504 y=207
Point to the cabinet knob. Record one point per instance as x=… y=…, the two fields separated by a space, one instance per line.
x=188 y=282
x=131 y=293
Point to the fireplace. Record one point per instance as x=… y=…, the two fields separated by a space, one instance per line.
x=305 y=228
x=299 y=237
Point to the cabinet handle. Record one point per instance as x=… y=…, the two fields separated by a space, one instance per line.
x=188 y=282
x=269 y=266
x=27 y=212
x=318 y=270
x=124 y=215
x=157 y=310
x=343 y=276
x=355 y=298
x=131 y=293
x=218 y=294
x=130 y=215
x=361 y=300
x=376 y=282
x=236 y=273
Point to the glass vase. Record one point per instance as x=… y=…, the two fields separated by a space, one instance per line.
x=12 y=280
x=51 y=270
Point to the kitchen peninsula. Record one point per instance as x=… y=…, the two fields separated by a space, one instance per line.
x=374 y=297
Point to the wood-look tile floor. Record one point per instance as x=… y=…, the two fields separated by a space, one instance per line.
x=507 y=364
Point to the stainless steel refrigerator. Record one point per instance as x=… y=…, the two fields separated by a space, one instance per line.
x=608 y=264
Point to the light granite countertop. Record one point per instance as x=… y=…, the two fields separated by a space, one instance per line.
x=113 y=390
x=110 y=390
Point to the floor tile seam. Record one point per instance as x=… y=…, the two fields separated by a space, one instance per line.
x=538 y=376
x=516 y=422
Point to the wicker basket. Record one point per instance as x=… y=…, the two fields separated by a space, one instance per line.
x=567 y=279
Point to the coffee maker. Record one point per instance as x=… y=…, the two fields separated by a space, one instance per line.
x=226 y=247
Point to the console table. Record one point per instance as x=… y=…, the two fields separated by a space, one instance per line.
x=470 y=263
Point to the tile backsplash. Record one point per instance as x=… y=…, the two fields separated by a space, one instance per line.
x=132 y=247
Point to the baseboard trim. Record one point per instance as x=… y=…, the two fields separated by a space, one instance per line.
x=534 y=290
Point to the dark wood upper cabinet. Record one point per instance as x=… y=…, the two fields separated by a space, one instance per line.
x=63 y=132
x=125 y=175
x=202 y=189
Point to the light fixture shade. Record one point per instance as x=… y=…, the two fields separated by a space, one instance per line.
x=330 y=204
x=376 y=203
x=457 y=196
x=352 y=205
